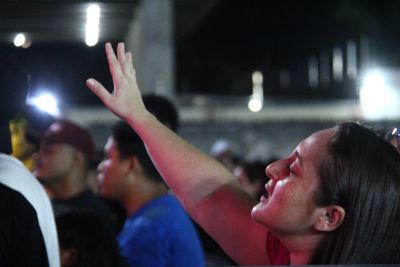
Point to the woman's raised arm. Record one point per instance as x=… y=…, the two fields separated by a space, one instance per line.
x=207 y=190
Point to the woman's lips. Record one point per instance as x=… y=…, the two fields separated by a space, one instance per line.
x=269 y=188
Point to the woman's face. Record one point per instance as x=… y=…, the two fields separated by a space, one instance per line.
x=289 y=207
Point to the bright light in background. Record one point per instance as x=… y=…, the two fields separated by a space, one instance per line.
x=45 y=102
x=378 y=99
x=337 y=64
x=256 y=99
x=257 y=78
x=255 y=104
x=374 y=79
x=19 y=39
x=92 y=24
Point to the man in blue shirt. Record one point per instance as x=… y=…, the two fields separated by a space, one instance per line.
x=157 y=232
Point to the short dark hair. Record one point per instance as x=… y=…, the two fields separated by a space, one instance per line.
x=129 y=144
x=255 y=170
x=86 y=232
x=163 y=109
x=361 y=173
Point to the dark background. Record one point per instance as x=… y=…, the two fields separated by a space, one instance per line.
x=239 y=37
x=216 y=51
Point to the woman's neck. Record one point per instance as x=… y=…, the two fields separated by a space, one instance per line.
x=302 y=247
x=301 y=257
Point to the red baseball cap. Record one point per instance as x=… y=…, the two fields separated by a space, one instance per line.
x=67 y=132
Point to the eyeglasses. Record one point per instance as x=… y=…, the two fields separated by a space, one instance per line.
x=393 y=137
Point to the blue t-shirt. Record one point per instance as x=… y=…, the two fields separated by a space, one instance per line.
x=160 y=234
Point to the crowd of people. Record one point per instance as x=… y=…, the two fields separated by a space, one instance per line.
x=158 y=201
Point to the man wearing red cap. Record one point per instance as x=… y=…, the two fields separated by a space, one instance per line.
x=61 y=165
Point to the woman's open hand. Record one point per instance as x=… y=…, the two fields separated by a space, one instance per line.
x=125 y=100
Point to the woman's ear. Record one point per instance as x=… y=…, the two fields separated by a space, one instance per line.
x=330 y=218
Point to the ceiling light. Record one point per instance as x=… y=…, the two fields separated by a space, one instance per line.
x=92 y=24
x=255 y=104
x=19 y=39
x=256 y=99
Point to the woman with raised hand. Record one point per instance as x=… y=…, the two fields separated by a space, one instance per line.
x=334 y=200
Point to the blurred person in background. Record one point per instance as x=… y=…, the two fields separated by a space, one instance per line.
x=28 y=234
x=118 y=213
x=251 y=175
x=91 y=175
x=157 y=231
x=163 y=109
x=26 y=128
x=225 y=152
x=85 y=241
x=166 y=112
x=62 y=164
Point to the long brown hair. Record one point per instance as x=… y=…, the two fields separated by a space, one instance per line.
x=362 y=175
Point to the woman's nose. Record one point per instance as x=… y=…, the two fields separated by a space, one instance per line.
x=274 y=170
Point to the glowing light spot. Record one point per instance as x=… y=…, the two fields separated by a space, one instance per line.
x=19 y=39
x=46 y=102
x=255 y=104
x=92 y=25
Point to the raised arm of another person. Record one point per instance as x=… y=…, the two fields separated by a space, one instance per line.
x=208 y=191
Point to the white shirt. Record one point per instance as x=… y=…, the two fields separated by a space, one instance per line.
x=14 y=175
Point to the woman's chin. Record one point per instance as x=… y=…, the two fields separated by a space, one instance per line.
x=258 y=211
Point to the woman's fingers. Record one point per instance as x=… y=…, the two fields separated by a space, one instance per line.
x=124 y=60
x=129 y=58
x=122 y=57
x=98 y=89
x=113 y=63
x=129 y=63
x=126 y=95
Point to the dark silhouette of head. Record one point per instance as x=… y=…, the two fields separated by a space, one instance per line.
x=37 y=122
x=86 y=241
x=130 y=144
x=14 y=88
x=163 y=109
